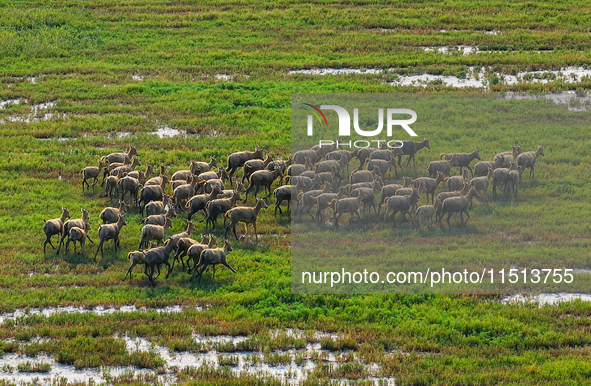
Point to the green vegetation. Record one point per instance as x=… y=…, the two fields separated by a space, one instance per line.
x=84 y=55
x=29 y=367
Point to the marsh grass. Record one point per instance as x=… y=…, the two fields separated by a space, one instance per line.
x=84 y=57
x=29 y=367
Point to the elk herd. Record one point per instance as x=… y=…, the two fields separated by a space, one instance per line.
x=320 y=178
x=317 y=178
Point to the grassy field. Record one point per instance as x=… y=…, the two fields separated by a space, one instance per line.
x=130 y=67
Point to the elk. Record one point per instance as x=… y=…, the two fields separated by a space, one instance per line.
x=306 y=200
x=363 y=155
x=261 y=178
x=481 y=168
x=363 y=176
x=121 y=157
x=400 y=204
x=109 y=169
x=111 y=215
x=463 y=159
x=299 y=157
x=54 y=227
x=514 y=180
x=297 y=169
x=210 y=175
x=382 y=165
x=201 y=167
x=91 y=172
x=444 y=195
x=280 y=164
x=138 y=174
x=208 y=185
x=407 y=189
x=390 y=190
x=227 y=193
x=430 y=184
x=159 y=219
x=386 y=154
x=253 y=165
x=528 y=160
x=332 y=166
x=80 y=235
x=500 y=177
x=375 y=186
x=159 y=180
x=177 y=183
x=152 y=193
x=194 y=251
x=135 y=258
x=323 y=201
x=481 y=183
x=411 y=148
x=349 y=205
x=456 y=182
x=154 y=258
x=109 y=232
x=174 y=239
x=305 y=183
x=71 y=224
x=368 y=199
x=183 y=246
x=338 y=154
x=154 y=232
x=184 y=175
x=112 y=183
x=421 y=188
x=246 y=215
x=458 y=204
x=327 y=148
x=198 y=202
x=236 y=160
x=507 y=156
x=424 y=215
x=442 y=166
x=284 y=193
x=126 y=168
x=159 y=207
x=184 y=192
x=218 y=206
x=214 y=257
x=131 y=185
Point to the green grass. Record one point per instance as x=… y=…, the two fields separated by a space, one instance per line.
x=29 y=367
x=84 y=55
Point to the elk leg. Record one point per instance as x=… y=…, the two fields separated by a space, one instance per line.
x=228 y=265
x=168 y=271
x=129 y=271
x=97 y=250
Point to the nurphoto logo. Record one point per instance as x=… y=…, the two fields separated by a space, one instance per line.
x=345 y=120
